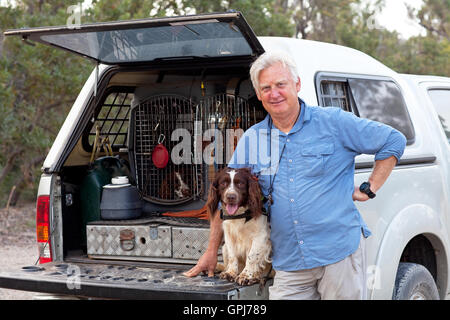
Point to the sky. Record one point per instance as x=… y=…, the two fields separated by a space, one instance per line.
x=393 y=17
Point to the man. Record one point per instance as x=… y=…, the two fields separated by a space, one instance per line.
x=317 y=233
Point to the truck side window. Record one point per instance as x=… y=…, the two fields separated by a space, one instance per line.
x=379 y=100
x=112 y=119
x=441 y=102
x=335 y=93
x=382 y=101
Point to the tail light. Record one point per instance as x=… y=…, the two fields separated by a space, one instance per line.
x=43 y=228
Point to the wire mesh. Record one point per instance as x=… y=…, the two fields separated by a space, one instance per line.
x=214 y=126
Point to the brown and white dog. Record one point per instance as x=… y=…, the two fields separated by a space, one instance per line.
x=174 y=186
x=247 y=248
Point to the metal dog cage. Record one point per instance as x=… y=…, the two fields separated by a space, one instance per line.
x=212 y=128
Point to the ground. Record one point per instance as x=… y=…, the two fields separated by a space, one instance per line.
x=17 y=244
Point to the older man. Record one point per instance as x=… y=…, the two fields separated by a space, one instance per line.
x=317 y=233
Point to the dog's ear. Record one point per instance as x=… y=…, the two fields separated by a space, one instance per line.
x=213 y=197
x=254 y=196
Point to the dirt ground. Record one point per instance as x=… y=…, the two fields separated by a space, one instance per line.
x=17 y=244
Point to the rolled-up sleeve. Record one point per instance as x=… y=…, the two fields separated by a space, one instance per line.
x=394 y=146
x=370 y=137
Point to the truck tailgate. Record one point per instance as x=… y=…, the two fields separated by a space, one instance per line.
x=118 y=281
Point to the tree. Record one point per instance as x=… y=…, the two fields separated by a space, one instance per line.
x=430 y=54
x=434 y=16
x=262 y=15
x=38 y=86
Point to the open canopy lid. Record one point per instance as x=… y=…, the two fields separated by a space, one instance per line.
x=137 y=41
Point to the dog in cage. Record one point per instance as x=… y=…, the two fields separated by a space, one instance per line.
x=175 y=185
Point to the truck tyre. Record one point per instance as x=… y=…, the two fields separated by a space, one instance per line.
x=414 y=282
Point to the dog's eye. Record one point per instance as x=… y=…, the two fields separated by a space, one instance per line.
x=224 y=183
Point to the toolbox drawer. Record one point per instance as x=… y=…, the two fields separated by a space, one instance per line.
x=146 y=242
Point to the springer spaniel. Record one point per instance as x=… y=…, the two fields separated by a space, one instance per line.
x=174 y=186
x=247 y=248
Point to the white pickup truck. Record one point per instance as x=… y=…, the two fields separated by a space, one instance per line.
x=189 y=75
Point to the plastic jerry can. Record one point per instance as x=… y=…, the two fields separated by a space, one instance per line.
x=100 y=174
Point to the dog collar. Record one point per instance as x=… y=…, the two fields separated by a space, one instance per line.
x=247 y=215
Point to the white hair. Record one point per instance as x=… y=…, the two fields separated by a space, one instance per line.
x=268 y=59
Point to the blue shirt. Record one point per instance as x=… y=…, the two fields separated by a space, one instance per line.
x=314 y=221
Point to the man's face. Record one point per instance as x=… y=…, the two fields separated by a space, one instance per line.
x=278 y=91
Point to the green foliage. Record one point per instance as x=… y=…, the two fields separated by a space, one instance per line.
x=434 y=16
x=260 y=14
x=38 y=86
x=350 y=25
x=429 y=54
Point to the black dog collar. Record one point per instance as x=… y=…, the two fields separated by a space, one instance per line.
x=247 y=215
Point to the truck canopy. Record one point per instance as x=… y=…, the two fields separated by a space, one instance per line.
x=221 y=35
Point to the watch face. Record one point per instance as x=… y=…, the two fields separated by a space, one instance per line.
x=364 y=187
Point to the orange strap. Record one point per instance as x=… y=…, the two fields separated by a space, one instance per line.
x=198 y=213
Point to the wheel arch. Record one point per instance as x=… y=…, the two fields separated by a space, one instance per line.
x=414 y=226
x=428 y=250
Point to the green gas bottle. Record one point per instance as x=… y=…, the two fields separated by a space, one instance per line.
x=99 y=174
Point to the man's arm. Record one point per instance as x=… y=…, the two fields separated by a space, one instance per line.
x=380 y=173
x=371 y=137
x=385 y=160
x=208 y=261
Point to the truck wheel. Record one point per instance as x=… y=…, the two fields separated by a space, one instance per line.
x=414 y=282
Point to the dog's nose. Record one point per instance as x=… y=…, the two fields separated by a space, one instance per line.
x=231 y=197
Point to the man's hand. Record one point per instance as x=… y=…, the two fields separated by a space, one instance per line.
x=380 y=173
x=359 y=196
x=207 y=263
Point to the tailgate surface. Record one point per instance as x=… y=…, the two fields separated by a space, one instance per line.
x=117 y=281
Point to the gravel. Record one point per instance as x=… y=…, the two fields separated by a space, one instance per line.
x=17 y=244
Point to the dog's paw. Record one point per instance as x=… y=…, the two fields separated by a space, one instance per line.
x=230 y=276
x=245 y=279
x=219 y=268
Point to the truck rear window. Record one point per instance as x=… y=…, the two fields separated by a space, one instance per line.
x=112 y=120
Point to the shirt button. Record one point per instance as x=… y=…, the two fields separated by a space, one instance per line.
x=290 y=160
x=291 y=180
x=288 y=140
x=295 y=221
x=292 y=200
x=300 y=242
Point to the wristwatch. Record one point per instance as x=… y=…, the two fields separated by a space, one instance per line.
x=365 y=187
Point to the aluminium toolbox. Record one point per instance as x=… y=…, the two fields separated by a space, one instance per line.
x=165 y=239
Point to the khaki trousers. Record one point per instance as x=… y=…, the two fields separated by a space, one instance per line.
x=343 y=280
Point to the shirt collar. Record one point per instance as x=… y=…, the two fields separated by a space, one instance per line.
x=305 y=115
